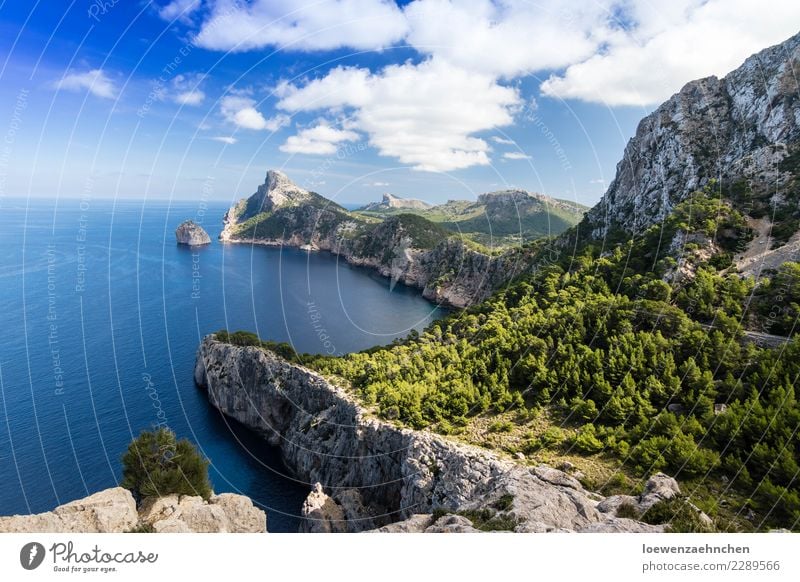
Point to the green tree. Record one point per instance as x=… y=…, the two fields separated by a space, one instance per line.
x=157 y=464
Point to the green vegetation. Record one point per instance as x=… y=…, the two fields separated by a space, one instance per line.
x=492 y=223
x=622 y=364
x=157 y=464
x=681 y=516
x=246 y=338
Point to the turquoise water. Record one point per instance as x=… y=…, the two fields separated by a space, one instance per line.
x=101 y=313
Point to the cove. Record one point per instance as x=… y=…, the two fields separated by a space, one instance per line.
x=101 y=316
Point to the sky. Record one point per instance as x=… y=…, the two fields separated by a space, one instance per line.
x=432 y=99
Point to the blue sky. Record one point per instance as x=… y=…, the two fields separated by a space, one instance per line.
x=434 y=99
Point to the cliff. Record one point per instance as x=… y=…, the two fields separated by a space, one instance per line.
x=405 y=248
x=391 y=202
x=114 y=511
x=192 y=234
x=369 y=474
x=740 y=130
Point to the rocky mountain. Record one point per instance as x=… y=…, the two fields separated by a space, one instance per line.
x=497 y=219
x=741 y=130
x=191 y=234
x=114 y=511
x=404 y=247
x=368 y=473
x=391 y=202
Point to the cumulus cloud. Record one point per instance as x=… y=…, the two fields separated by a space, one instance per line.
x=186 y=89
x=225 y=139
x=423 y=114
x=516 y=156
x=321 y=139
x=178 y=9
x=672 y=44
x=95 y=81
x=241 y=111
x=429 y=112
x=302 y=25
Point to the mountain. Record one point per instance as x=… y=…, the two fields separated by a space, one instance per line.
x=390 y=202
x=741 y=130
x=636 y=341
x=405 y=247
x=495 y=219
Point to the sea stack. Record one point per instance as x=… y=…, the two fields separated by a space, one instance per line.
x=192 y=234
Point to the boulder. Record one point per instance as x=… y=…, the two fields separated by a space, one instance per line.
x=109 y=511
x=192 y=234
x=321 y=514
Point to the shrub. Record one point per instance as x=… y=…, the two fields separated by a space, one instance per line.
x=586 y=441
x=501 y=426
x=678 y=513
x=157 y=464
x=627 y=510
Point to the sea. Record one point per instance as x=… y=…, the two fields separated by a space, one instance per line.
x=101 y=313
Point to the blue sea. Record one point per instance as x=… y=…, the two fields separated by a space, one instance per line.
x=101 y=314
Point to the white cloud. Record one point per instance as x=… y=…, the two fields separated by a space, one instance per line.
x=241 y=111
x=186 y=89
x=225 y=139
x=95 y=81
x=302 y=25
x=321 y=139
x=502 y=140
x=376 y=184
x=516 y=156
x=424 y=115
x=178 y=9
x=672 y=45
x=507 y=38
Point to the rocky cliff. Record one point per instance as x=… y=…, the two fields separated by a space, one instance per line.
x=405 y=248
x=391 y=202
x=367 y=473
x=114 y=511
x=192 y=234
x=738 y=130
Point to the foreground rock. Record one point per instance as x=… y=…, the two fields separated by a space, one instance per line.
x=192 y=234
x=369 y=473
x=114 y=511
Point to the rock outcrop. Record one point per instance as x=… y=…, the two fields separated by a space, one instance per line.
x=735 y=129
x=192 y=234
x=369 y=474
x=114 y=511
x=391 y=202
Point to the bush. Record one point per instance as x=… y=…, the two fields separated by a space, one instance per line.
x=627 y=510
x=501 y=426
x=586 y=441
x=678 y=513
x=157 y=464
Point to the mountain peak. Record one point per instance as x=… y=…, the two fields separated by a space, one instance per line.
x=737 y=129
x=278 y=190
x=390 y=201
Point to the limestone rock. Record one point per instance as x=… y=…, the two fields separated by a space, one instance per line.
x=622 y=525
x=417 y=523
x=192 y=234
x=452 y=524
x=108 y=511
x=613 y=503
x=321 y=513
x=222 y=513
x=752 y=115
x=659 y=487
x=377 y=470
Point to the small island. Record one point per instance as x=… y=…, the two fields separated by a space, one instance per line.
x=192 y=234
